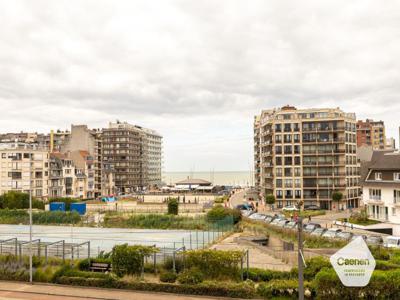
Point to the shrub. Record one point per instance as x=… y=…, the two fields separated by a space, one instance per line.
x=219 y=213
x=258 y=275
x=314 y=265
x=84 y=264
x=167 y=276
x=129 y=260
x=282 y=288
x=19 y=200
x=385 y=265
x=169 y=264
x=56 y=217
x=215 y=264
x=173 y=206
x=191 y=276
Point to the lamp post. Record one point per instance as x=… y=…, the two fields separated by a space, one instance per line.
x=300 y=257
x=30 y=219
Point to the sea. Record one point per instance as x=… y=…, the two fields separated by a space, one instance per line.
x=231 y=178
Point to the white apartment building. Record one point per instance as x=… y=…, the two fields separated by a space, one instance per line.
x=381 y=189
x=17 y=161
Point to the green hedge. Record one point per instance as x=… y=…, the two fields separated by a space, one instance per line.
x=219 y=213
x=259 y=275
x=283 y=288
x=383 y=285
x=18 y=200
x=232 y=290
x=215 y=264
x=56 y=217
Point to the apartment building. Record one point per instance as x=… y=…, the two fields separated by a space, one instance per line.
x=381 y=189
x=20 y=163
x=307 y=154
x=371 y=133
x=135 y=154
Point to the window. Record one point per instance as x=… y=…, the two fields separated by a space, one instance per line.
x=374 y=194
x=288 y=149
x=296 y=127
x=278 y=149
x=26 y=155
x=288 y=161
x=287 y=128
x=297 y=171
x=278 y=138
x=279 y=172
x=297 y=194
x=278 y=161
x=378 y=176
x=289 y=194
x=288 y=171
x=297 y=160
x=287 y=138
x=297 y=183
x=279 y=183
x=296 y=149
x=393 y=211
x=288 y=183
x=279 y=194
x=278 y=127
x=3 y=155
x=396 y=196
x=396 y=176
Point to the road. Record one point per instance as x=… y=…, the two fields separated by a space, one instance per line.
x=237 y=198
x=16 y=290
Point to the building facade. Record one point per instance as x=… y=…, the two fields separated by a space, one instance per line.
x=135 y=154
x=306 y=155
x=371 y=133
x=381 y=189
x=21 y=163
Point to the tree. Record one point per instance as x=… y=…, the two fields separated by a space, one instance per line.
x=270 y=199
x=337 y=196
x=173 y=206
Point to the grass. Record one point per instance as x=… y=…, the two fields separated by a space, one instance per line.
x=363 y=222
x=155 y=221
x=21 y=216
x=305 y=213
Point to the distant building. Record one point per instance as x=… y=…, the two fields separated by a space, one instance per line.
x=381 y=189
x=20 y=162
x=391 y=143
x=135 y=153
x=306 y=154
x=371 y=133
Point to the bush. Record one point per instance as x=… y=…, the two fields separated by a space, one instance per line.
x=215 y=264
x=232 y=290
x=191 y=276
x=129 y=260
x=56 y=217
x=14 y=216
x=219 y=213
x=173 y=206
x=169 y=264
x=314 y=265
x=282 y=288
x=19 y=200
x=383 y=285
x=258 y=275
x=168 y=277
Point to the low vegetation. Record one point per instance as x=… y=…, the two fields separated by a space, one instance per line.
x=18 y=200
x=360 y=218
x=14 y=216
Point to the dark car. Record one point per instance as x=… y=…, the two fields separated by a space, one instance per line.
x=282 y=223
x=268 y=219
x=290 y=225
x=311 y=207
x=319 y=231
x=310 y=227
x=344 y=235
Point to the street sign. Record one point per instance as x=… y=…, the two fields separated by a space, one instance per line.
x=354 y=263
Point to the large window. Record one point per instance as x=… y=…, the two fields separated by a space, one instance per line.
x=396 y=176
x=378 y=176
x=396 y=196
x=375 y=194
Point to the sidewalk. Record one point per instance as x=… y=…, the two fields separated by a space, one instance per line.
x=38 y=291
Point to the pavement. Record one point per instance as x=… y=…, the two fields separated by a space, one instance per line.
x=17 y=290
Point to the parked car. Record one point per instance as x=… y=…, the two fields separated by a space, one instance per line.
x=332 y=233
x=257 y=216
x=310 y=227
x=344 y=235
x=311 y=207
x=246 y=213
x=244 y=206
x=282 y=223
x=319 y=231
x=374 y=240
x=291 y=225
x=392 y=242
x=359 y=235
x=269 y=219
x=275 y=221
x=290 y=208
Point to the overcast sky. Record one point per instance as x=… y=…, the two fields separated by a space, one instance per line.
x=196 y=71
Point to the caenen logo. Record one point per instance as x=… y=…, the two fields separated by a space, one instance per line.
x=354 y=263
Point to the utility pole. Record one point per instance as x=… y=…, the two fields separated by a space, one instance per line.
x=300 y=257
x=30 y=219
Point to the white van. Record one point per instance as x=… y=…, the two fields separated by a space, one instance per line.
x=392 y=242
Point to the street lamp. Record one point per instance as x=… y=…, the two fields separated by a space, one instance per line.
x=300 y=257
x=30 y=219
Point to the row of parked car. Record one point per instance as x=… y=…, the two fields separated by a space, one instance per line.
x=313 y=229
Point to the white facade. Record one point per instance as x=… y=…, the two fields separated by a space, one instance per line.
x=17 y=160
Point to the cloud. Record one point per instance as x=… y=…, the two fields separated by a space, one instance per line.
x=197 y=71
